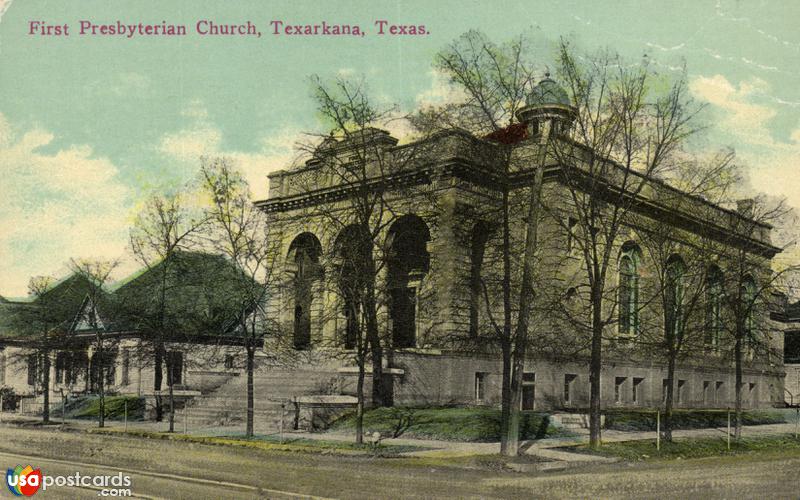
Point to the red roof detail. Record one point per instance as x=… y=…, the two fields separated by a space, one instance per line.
x=509 y=135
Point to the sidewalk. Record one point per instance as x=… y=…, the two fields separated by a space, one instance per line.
x=545 y=449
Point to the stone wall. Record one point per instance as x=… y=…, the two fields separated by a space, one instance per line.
x=443 y=379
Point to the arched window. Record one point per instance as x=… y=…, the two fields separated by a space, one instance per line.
x=673 y=295
x=748 y=296
x=304 y=254
x=714 y=291
x=628 y=290
x=354 y=267
x=480 y=234
x=408 y=264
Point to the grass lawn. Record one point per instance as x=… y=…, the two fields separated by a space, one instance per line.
x=448 y=423
x=645 y=449
x=625 y=420
x=272 y=443
x=89 y=407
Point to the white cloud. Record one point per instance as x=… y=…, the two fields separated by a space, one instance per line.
x=440 y=92
x=55 y=206
x=203 y=138
x=773 y=164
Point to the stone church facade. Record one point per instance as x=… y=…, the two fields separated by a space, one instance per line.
x=437 y=248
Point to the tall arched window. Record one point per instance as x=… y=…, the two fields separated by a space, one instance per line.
x=714 y=291
x=628 y=290
x=353 y=269
x=304 y=254
x=480 y=235
x=673 y=295
x=408 y=264
x=748 y=297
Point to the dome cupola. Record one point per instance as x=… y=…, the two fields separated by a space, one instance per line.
x=547 y=101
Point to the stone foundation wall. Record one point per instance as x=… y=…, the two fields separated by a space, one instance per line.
x=441 y=379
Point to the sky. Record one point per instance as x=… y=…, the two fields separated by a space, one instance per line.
x=90 y=124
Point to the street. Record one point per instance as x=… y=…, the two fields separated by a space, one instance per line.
x=173 y=469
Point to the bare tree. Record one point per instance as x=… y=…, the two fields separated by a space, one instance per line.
x=681 y=274
x=626 y=134
x=166 y=226
x=363 y=161
x=97 y=274
x=240 y=231
x=750 y=285
x=493 y=82
x=42 y=323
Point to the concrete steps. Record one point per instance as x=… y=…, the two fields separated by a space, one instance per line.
x=272 y=386
x=573 y=421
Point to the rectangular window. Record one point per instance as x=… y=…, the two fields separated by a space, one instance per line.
x=480 y=386
x=528 y=391
x=751 y=394
x=569 y=378
x=229 y=361
x=32 y=366
x=619 y=384
x=681 y=387
x=75 y=365
x=636 y=395
x=175 y=366
x=706 y=389
x=126 y=366
x=60 y=357
x=572 y=224
x=110 y=362
x=718 y=396
x=664 y=387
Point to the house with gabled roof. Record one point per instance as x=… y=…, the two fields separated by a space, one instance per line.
x=200 y=347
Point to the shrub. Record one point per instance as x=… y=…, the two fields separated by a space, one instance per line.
x=446 y=423
x=89 y=407
x=9 y=398
x=686 y=419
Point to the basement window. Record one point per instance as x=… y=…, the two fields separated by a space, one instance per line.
x=636 y=391
x=619 y=384
x=480 y=386
x=569 y=378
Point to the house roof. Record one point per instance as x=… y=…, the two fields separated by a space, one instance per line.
x=204 y=294
x=203 y=297
x=9 y=312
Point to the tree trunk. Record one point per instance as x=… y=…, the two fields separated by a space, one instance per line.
x=512 y=441
x=526 y=298
x=738 y=407
x=171 y=395
x=46 y=387
x=506 y=394
x=595 y=366
x=158 y=378
x=381 y=394
x=251 y=354
x=668 y=400
x=101 y=380
x=102 y=394
x=505 y=401
x=360 y=402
